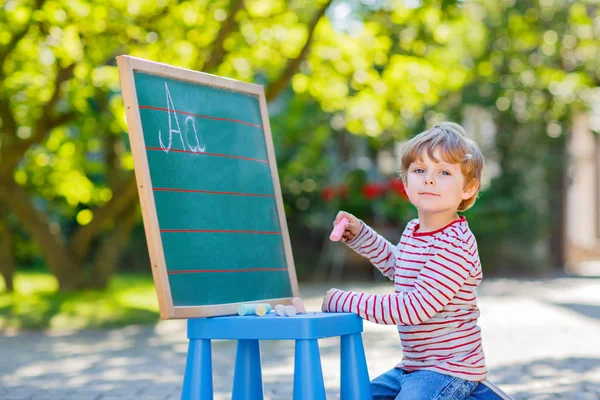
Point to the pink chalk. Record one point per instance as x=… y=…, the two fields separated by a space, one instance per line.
x=297 y=302
x=339 y=229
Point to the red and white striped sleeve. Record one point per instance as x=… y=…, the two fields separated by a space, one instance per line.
x=439 y=281
x=376 y=249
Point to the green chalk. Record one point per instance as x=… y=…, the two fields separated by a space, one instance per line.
x=259 y=309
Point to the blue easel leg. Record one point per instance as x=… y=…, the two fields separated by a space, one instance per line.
x=355 y=384
x=197 y=383
x=308 y=375
x=247 y=379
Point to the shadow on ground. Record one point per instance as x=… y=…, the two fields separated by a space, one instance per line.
x=588 y=310
x=135 y=362
x=569 y=378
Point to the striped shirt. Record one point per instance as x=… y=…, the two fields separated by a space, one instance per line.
x=435 y=275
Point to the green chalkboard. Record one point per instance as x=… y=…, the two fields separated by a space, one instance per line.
x=209 y=191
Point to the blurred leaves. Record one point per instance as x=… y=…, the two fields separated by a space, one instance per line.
x=378 y=70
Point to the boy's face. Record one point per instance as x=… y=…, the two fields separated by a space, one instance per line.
x=435 y=187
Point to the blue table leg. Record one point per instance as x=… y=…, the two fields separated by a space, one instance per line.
x=197 y=383
x=355 y=384
x=308 y=375
x=247 y=379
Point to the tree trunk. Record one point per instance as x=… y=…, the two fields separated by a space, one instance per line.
x=112 y=247
x=227 y=27
x=7 y=257
x=49 y=238
x=558 y=201
x=274 y=88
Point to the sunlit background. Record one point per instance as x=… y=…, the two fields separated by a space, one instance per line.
x=347 y=83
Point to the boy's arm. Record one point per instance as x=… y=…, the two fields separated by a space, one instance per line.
x=376 y=249
x=439 y=281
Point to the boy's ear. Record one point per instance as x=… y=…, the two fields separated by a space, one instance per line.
x=470 y=189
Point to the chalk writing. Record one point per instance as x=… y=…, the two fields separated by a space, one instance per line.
x=172 y=114
x=198 y=148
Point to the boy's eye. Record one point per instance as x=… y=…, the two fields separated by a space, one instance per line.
x=418 y=170
x=446 y=173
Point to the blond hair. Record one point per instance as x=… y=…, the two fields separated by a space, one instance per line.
x=455 y=148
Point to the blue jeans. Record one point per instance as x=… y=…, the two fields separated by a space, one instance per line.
x=398 y=384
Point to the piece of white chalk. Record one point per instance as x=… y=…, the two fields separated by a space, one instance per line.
x=290 y=311
x=280 y=310
x=297 y=302
x=339 y=229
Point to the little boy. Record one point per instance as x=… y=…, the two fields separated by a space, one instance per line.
x=435 y=269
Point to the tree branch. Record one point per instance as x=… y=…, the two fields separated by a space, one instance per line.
x=111 y=248
x=112 y=159
x=7 y=256
x=62 y=119
x=123 y=188
x=277 y=86
x=43 y=125
x=16 y=38
x=8 y=119
x=218 y=51
x=9 y=124
x=123 y=195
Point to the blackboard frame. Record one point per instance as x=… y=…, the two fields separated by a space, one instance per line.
x=126 y=66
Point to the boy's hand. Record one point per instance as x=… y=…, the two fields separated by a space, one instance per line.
x=353 y=227
x=328 y=294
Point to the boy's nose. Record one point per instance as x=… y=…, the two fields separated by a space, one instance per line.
x=429 y=181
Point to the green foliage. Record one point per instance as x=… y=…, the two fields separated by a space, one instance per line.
x=70 y=169
x=62 y=117
x=538 y=72
x=379 y=70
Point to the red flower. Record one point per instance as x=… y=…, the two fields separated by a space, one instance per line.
x=397 y=186
x=331 y=192
x=328 y=193
x=373 y=190
x=370 y=191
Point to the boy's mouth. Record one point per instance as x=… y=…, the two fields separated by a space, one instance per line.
x=428 y=194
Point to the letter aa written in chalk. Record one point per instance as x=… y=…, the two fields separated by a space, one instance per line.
x=176 y=129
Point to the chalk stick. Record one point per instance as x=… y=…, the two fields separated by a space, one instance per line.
x=280 y=310
x=339 y=229
x=297 y=302
x=290 y=311
x=259 y=309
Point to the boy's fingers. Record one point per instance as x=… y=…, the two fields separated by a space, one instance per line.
x=339 y=217
x=347 y=236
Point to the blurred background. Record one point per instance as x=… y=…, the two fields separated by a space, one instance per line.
x=347 y=82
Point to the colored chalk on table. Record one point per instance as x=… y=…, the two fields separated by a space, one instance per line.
x=259 y=309
x=280 y=310
x=339 y=229
x=290 y=311
x=297 y=302
x=263 y=309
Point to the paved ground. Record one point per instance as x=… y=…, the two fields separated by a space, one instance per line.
x=541 y=339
